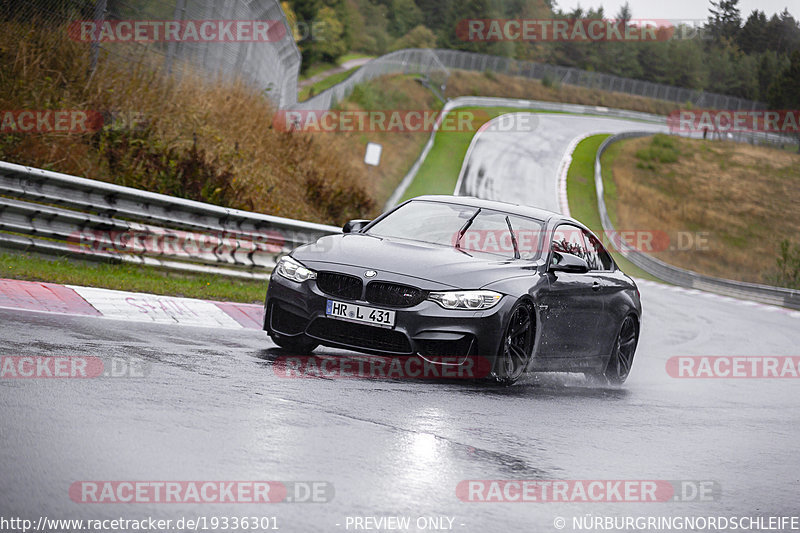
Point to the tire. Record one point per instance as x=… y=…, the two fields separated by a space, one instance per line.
x=516 y=345
x=299 y=345
x=619 y=364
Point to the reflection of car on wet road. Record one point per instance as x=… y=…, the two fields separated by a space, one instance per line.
x=458 y=276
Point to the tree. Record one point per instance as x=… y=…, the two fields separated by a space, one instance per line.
x=621 y=58
x=753 y=37
x=328 y=40
x=291 y=19
x=783 y=33
x=404 y=15
x=473 y=9
x=306 y=10
x=419 y=37
x=769 y=67
x=624 y=14
x=784 y=93
x=725 y=20
x=686 y=64
x=437 y=13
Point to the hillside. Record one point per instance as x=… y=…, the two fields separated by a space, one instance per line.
x=725 y=207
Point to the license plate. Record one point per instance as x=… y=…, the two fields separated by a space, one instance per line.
x=360 y=313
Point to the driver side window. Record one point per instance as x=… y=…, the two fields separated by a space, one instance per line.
x=598 y=259
x=569 y=239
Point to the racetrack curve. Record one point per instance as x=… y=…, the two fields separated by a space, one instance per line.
x=518 y=162
x=213 y=407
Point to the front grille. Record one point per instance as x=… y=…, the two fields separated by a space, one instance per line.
x=446 y=348
x=286 y=322
x=339 y=285
x=359 y=336
x=394 y=294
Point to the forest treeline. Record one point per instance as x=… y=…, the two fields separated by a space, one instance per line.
x=754 y=56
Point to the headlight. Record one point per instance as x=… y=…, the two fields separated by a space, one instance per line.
x=291 y=269
x=466 y=299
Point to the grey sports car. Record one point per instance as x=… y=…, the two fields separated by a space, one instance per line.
x=531 y=290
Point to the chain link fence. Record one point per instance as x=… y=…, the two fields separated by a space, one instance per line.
x=269 y=64
x=437 y=64
x=421 y=61
x=456 y=59
x=428 y=61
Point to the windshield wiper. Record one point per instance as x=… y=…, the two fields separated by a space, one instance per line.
x=464 y=229
x=513 y=239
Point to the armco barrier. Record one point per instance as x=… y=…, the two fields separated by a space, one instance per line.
x=678 y=276
x=49 y=212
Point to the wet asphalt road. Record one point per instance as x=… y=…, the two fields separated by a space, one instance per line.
x=519 y=167
x=213 y=407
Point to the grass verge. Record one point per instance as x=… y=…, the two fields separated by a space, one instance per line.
x=463 y=83
x=325 y=83
x=316 y=68
x=124 y=277
x=353 y=55
x=726 y=209
x=582 y=197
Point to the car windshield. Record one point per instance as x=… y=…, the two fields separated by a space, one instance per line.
x=431 y=222
x=462 y=227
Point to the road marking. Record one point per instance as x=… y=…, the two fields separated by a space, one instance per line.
x=45 y=297
x=141 y=307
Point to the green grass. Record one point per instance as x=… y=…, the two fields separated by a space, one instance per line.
x=351 y=56
x=583 y=196
x=325 y=83
x=129 y=278
x=315 y=69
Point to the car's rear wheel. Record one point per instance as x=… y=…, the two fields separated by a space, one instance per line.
x=299 y=345
x=516 y=345
x=621 y=361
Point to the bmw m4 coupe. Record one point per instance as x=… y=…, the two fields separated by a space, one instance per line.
x=454 y=276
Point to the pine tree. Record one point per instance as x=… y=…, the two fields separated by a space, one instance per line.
x=725 y=20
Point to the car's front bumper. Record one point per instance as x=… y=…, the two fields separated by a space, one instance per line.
x=428 y=330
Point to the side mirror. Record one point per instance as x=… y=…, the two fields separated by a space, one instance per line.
x=354 y=226
x=563 y=262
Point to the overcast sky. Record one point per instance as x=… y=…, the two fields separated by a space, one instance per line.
x=680 y=9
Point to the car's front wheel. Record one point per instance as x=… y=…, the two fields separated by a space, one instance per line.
x=515 y=346
x=299 y=345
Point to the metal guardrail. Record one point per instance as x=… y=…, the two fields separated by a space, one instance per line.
x=421 y=61
x=678 y=276
x=60 y=214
